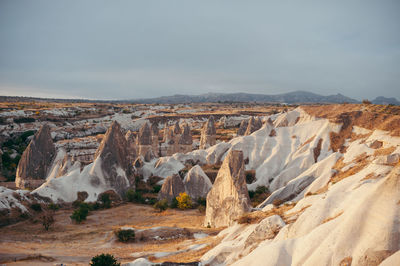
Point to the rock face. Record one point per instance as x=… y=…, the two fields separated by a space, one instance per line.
x=186 y=140
x=154 y=139
x=243 y=127
x=144 y=139
x=254 y=124
x=116 y=164
x=228 y=199
x=171 y=188
x=197 y=184
x=36 y=160
x=131 y=142
x=208 y=133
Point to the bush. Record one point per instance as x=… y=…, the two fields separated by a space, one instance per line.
x=24 y=120
x=125 y=235
x=134 y=196
x=201 y=209
x=104 y=260
x=47 y=220
x=184 y=201
x=36 y=207
x=161 y=205
x=53 y=206
x=80 y=215
x=156 y=188
x=174 y=204
x=106 y=201
x=202 y=202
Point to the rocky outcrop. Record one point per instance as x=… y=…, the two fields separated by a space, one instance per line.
x=154 y=139
x=131 y=142
x=36 y=160
x=243 y=127
x=116 y=164
x=228 y=199
x=208 y=134
x=186 y=140
x=254 y=124
x=197 y=184
x=144 y=139
x=171 y=188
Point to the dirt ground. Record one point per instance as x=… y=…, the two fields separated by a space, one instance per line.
x=27 y=243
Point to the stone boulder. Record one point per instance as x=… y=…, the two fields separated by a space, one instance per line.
x=36 y=160
x=116 y=164
x=171 y=188
x=208 y=134
x=228 y=199
x=197 y=184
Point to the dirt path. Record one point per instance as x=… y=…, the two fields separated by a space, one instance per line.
x=76 y=244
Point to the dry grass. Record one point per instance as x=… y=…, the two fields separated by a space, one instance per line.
x=371 y=176
x=331 y=218
x=258 y=216
x=360 y=163
x=384 y=151
x=346 y=261
x=307 y=142
x=317 y=150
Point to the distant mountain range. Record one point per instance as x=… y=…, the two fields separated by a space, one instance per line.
x=290 y=97
x=384 y=100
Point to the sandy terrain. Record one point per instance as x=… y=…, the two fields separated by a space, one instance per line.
x=76 y=244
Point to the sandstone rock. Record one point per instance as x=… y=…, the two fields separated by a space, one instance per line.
x=171 y=188
x=81 y=195
x=243 y=127
x=228 y=199
x=197 y=184
x=266 y=229
x=154 y=139
x=254 y=125
x=376 y=144
x=116 y=164
x=177 y=128
x=144 y=139
x=36 y=160
x=131 y=141
x=149 y=156
x=186 y=140
x=114 y=197
x=208 y=134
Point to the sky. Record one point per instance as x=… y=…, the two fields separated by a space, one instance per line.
x=140 y=49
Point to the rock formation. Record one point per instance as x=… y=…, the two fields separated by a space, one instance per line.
x=208 y=133
x=254 y=124
x=197 y=184
x=154 y=139
x=116 y=164
x=243 y=127
x=131 y=142
x=36 y=160
x=228 y=199
x=144 y=139
x=185 y=140
x=171 y=188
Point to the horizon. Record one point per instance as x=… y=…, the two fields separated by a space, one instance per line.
x=140 y=50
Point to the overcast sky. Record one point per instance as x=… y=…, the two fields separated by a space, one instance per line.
x=137 y=49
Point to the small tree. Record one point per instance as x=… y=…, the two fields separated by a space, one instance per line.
x=106 y=201
x=47 y=220
x=125 y=235
x=134 y=196
x=104 y=260
x=79 y=215
x=184 y=201
x=161 y=205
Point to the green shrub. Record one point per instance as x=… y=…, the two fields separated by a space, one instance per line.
x=202 y=201
x=106 y=201
x=53 y=206
x=174 y=204
x=161 y=205
x=47 y=220
x=104 y=260
x=184 y=201
x=80 y=215
x=36 y=207
x=156 y=188
x=125 y=235
x=261 y=189
x=134 y=196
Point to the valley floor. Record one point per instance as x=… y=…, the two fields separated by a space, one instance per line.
x=75 y=244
